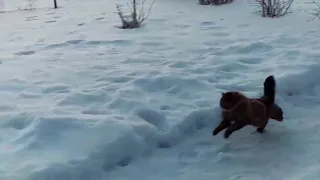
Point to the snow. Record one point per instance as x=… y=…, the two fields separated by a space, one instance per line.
x=83 y=100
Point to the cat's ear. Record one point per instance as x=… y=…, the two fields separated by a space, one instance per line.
x=222 y=94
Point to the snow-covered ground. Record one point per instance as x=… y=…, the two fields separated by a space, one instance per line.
x=82 y=100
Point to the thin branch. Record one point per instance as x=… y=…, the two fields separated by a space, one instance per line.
x=315 y=14
x=142 y=9
x=149 y=12
x=287 y=7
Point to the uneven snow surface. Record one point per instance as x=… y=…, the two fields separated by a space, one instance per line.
x=83 y=100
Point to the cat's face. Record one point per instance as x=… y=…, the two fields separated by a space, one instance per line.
x=230 y=99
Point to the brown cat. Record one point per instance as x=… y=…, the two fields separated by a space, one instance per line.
x=239 y=110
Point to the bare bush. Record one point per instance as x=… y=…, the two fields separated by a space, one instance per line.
x=136 y=16
x=273 y=8
x=28 y=6
x=204 y=2
x=214 y=2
